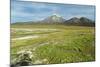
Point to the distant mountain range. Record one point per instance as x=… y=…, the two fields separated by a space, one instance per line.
x=83 y=21
x=56 y=19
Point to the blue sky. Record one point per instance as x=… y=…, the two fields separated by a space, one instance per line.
x=32 y=11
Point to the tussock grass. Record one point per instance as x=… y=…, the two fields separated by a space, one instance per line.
x=67 y=44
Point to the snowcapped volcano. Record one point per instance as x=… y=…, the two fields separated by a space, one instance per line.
x=55 y=18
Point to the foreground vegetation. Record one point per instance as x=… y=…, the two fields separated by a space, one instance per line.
x=53 y=44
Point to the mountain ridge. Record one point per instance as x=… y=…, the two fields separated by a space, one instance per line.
x=54 y=19
x=82 y=21
x=57 y=19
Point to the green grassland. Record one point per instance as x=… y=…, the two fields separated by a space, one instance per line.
x=54 y=44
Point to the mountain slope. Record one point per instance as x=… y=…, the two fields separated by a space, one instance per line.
x=83 y=21
x=54 y=19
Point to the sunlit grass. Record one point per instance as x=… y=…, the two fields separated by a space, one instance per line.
x=66 y=44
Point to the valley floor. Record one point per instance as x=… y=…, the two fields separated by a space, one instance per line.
x=52 y=44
